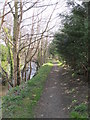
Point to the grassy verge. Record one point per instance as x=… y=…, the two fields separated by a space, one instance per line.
x=20 y=101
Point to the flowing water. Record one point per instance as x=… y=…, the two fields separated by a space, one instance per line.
x=34 y=69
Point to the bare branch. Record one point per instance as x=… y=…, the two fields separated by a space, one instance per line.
x=11 y=8
x=2 y=20
x=30 y=6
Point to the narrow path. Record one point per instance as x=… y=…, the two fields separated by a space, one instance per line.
x=52 y=100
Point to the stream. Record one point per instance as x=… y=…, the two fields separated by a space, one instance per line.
x=34 y=70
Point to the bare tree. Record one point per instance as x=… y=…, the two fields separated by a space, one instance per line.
x=27 y=39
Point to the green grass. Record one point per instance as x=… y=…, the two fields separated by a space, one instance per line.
x=20 y=101
x=51 y=61
x=79 y=112
x=60 y=63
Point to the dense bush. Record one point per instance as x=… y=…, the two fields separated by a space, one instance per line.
x=71 y=42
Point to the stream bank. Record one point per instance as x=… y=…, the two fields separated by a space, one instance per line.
x=21 y=100
x=4 y=89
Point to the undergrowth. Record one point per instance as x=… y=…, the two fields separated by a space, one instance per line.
x=80 y=112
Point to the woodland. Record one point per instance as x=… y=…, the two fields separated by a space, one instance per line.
x=30 y=34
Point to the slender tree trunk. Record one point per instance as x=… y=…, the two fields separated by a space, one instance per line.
x=45 y=51
x=25 y=68
x=18 y=71
x=11 y=64
x=41 y=51
x=44 y=57
x=38 y=57
x=15 y=40
x=89 y=58
x=25 y=75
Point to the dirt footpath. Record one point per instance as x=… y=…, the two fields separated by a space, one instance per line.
x=52 y=102
x=61 y=93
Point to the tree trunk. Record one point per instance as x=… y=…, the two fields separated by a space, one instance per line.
x=25 y=68
x=18 y=71
x=15 y=40
x=89 y=58
x=11 y=64
x=41 y=52
x=25 y=75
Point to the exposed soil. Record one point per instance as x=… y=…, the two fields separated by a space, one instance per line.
x=59 y=92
